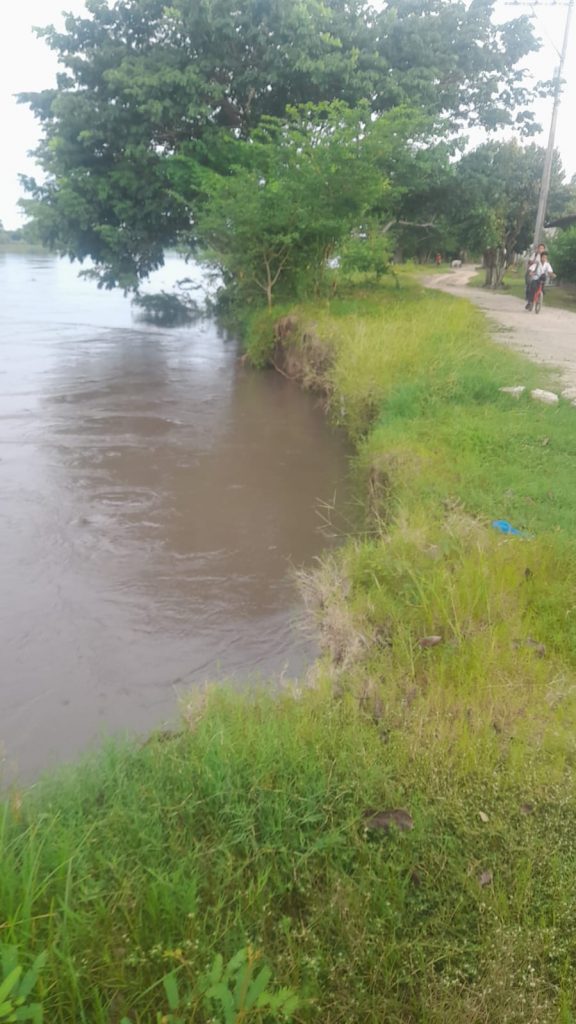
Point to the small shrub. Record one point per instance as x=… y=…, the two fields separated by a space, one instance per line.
x=563 y=255
x=367 y=253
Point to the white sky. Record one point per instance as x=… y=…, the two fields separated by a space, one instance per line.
x=26 y=64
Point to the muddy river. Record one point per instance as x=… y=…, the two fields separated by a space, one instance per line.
x=154 y=497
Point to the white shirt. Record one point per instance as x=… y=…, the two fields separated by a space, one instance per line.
x=540 y=268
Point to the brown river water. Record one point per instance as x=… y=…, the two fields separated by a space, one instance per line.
x=154 y=498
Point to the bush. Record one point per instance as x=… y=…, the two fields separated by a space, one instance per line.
x=370 y=253
x=563 y=255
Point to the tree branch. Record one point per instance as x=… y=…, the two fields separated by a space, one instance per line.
x=407 y=224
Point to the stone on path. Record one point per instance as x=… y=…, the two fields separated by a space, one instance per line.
x=548 y=397
x=515 y=391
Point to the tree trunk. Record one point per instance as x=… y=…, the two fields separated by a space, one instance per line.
x=500 y=268
x=495 y=265
x=269 y=283
x=489 y=267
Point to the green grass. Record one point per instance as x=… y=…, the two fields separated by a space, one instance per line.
x=559 y=296
x=248 y=828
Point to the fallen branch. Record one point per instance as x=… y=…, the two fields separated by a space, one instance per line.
x=283 y=372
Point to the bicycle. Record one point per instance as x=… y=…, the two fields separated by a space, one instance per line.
x=535 y=302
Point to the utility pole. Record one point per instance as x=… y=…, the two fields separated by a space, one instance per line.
x=547 y=172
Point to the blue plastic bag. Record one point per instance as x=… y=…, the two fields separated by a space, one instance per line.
x=505 y=527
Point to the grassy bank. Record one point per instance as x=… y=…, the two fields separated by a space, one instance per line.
x=445 y=694
x=559 y=296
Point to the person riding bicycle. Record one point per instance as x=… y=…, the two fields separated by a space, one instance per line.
x=535 y=255
x=539 y=271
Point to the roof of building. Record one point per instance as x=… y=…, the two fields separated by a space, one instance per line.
x=562 y=222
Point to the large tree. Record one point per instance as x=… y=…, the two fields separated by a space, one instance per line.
x=421 y=187
x=141 y=80
x=494 y=201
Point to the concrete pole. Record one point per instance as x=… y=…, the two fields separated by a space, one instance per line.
x=547 y=173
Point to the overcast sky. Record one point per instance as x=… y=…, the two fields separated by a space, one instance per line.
x=27 y=64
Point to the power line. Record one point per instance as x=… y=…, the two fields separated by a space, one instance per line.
x=549 y=3
x=543 y=28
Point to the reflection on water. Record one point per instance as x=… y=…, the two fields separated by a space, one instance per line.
x=153 y=497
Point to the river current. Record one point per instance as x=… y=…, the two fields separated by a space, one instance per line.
x=155 y=496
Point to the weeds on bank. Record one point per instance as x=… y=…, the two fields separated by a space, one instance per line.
x=451 y=636
x=396 y=841
x=231 y=993
x=252 y=831
x=16 y=987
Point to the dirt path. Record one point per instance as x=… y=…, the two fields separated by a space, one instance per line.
x=549 y=338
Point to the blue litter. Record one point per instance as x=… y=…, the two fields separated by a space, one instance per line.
x=505 y=527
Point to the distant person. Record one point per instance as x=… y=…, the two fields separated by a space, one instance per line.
x=534 y=257
x=438 y=259
x=539 y=271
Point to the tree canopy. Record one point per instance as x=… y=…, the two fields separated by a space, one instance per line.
x=297 y=190
x=495 y=198
x=147 y=88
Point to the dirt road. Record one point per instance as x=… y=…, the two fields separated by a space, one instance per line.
x=548 y=338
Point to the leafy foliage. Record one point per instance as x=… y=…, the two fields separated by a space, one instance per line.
x=232 y=993
x=367 y=252
x=144 y=83
x=241 y=992
x=296 y=191
x=495 y=198
x=16 y=988
x=563 y=253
